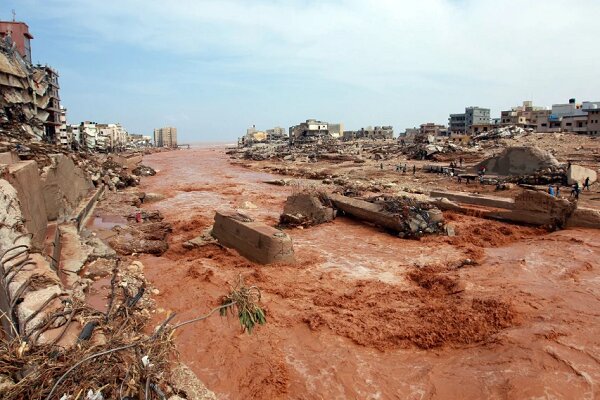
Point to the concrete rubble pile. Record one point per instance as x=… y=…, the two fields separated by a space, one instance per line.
x=502 y=133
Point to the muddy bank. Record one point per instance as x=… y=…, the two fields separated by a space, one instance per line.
x=364 y=314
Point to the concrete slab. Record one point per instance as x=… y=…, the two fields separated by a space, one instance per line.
x=577 y=173
x=367 y=211
x=64 y=185
x=25 y=177
x=476 y=199
x=9 y=157
x=254 y=240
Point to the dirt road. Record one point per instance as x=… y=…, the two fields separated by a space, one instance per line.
x=367 y=315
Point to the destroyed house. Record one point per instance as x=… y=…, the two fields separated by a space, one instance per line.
x=309 y=131
x=29 y=96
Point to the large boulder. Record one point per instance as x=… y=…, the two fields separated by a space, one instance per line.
x=577 y=173
x=519 y=161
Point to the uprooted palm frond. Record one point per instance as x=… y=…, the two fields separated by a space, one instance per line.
x=244 y=299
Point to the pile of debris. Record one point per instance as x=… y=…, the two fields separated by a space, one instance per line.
x=418 y=217
x=503 y=133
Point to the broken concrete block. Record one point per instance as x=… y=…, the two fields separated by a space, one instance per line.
x=25 y=177
x=254 y=240
x=584 y=218
x=368 y=211
x=306 y=209
x=9 y=157
x=577 y=173
x=64 y=185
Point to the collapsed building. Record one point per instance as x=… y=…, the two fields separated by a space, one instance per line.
x=30 y=101
x=313 y=131
x=255 y=136
x=370 y=133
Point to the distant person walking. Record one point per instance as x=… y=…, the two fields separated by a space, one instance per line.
x=381 y=166
x=575 y=190
x=404 y=169
x=461 y=161
x=414 y=169
x=586 y=183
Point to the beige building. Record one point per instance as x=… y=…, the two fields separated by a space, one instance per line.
x=593 y=122
x=526 y=116
x=165 y=137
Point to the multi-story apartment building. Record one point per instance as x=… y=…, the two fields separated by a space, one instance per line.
x=525 y=116
x=569 y=117
x=88 y=135
x=65 y=137
x=53 y=109
x=111 y=137
x=593 y=122
x=461 y=123
x=165 y=137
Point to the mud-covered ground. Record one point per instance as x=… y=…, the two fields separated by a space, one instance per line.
x=499 y=311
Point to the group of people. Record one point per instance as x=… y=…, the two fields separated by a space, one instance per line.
x=575 y=189
x=404 y=168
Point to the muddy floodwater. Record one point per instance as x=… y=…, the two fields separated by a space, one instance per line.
x=497 y=312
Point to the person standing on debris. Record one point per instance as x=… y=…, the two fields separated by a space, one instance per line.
x=551 y=190
x=404 y=169
x=414 y=169
x=586 y=183
x=557 y=190
x=397 y=167
x=381 y=166
x=461 y=161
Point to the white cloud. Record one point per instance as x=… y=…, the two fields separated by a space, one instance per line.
x=484 y=52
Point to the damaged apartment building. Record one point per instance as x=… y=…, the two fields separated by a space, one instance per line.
x=30 y=101
x=370 y=133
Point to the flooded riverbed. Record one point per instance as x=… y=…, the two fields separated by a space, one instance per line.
x=349 y=320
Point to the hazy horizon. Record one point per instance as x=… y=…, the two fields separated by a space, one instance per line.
x=213 y=68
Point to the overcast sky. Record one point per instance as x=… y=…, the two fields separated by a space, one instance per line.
x=214 y=67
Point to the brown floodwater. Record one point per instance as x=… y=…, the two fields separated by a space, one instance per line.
x=349 y=320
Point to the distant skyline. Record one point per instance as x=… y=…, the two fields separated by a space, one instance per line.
x=212 y=68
